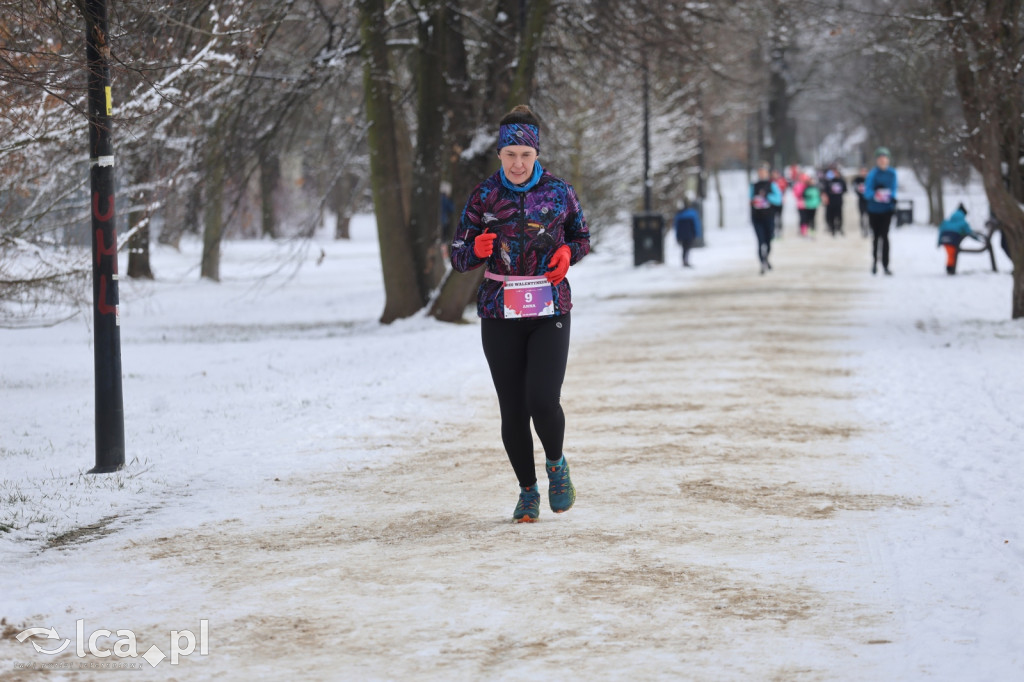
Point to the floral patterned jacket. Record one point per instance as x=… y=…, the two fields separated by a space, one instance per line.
x=530 y=225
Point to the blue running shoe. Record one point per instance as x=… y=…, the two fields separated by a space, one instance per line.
x=561 y=492
x=528 y=508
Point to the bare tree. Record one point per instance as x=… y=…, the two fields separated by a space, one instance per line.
x=509 y=59
x=899 y=83
x=988 y=48
x=203 y=93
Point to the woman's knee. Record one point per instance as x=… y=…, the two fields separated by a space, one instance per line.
x=544 y=405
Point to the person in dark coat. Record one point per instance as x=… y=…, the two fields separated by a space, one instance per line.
x=688 y=229
x=835 y=188
x=764 y=196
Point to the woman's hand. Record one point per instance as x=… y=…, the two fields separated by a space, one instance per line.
x=483 y=245
x=559 y=265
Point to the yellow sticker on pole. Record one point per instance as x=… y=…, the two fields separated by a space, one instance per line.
x=110 y=105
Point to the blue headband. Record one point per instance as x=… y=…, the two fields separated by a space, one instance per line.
x=519 y=134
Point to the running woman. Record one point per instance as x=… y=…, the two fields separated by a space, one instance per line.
x=835 y=188
x=808 y=198
x=880 y=190
x=764 y=197
x=526 y=226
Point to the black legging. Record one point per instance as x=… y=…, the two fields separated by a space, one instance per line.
x=880 y=229
x=807 y=217
x=834 y=216
x=764 y=227
x=527 y=358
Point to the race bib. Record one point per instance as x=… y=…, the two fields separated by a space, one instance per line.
x=860 y=188
x=883 y=195
x=760 y=202
x=531 y=297
x=837 y=188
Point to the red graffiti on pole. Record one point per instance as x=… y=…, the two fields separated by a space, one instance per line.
x=103 y=249
x=101 y=303
x=102 y=217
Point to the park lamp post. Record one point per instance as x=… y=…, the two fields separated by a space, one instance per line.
x=647 y=137
x=106 y=317
x=648 y=226
x=702 y=173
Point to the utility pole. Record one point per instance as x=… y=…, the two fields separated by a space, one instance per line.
x=647 y=138
x=106 y=317
x=702 y=173
x=648 y=227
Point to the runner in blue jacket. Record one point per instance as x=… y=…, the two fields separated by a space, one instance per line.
x=880 y=190
x=688 y=229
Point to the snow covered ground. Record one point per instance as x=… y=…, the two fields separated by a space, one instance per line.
x=809 y=475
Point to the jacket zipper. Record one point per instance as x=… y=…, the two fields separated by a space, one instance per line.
x=522 y=230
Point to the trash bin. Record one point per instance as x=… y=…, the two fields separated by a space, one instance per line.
x=648 y=238
x=904 y=212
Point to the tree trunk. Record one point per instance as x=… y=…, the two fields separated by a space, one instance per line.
x=529 y=52
x=783 y=149
x=1018 y=287
x=402 y=294
x=931 y=181
x=213 y=208
x=138 y=244
x=1008 y=211
x=270 y=178
x=938 y=203
x=721 y=201
x=425 y=204
x=507 y=90
x=340 y=199
x=342 y=228
x=1006 y=208
x=986 y=41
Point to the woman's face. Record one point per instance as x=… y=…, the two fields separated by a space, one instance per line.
x=517 y=162
x=882 y=162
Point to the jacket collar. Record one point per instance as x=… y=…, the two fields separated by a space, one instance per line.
x=526 y=186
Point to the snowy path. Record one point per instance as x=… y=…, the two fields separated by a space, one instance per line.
x=716 y=534
x=768 y=484
x=720 y=423
x=709 y=446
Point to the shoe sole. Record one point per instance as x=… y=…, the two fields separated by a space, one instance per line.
x=525 y=519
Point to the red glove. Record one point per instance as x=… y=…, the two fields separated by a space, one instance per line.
x=483 y=245
x=559 y=265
